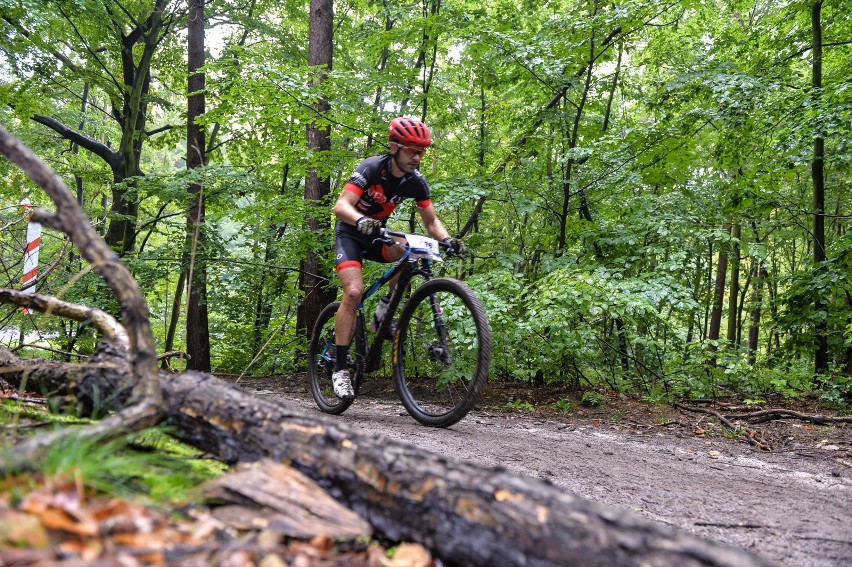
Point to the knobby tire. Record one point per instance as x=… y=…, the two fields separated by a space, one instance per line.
x=439 y=381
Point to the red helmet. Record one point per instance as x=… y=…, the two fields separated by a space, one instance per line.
x=404 y=130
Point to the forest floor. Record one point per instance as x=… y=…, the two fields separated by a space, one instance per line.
x=791 y=503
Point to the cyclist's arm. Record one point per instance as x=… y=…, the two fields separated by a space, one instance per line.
x=344 y=208
x=432 y=223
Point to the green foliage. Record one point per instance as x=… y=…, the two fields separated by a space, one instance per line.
x=592 y=399
x=150 y=464
x=658 y=395
x=563 y=405
x=519 y=405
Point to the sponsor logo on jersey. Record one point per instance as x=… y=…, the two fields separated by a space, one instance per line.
x=377 y=194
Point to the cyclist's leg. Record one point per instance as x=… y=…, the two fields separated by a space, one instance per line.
x=349 y=245
x=322 y=356
x=348 y=260
x=352 y=282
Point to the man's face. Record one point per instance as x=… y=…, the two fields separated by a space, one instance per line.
x=408 y=157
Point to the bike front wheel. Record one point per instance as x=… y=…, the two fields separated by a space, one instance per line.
x=441 y=352
x=321 y=361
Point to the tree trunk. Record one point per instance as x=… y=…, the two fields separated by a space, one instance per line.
x=611 y=96
x=759 y=272
x=847 y=365
x=137 y=52
x=696 y=294
x=174 y=317
x=718 y=298
x=818 y=178
x=312 y=283
x=734 y=292
x=197 y=324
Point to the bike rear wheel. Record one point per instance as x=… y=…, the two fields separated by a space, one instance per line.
x=441 y=352
x=321 y=362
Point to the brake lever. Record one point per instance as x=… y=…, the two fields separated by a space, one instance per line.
x=384 y=237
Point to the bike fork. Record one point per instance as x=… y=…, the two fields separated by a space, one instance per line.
x=439 y=351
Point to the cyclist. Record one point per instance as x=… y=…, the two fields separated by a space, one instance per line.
x=368 y=198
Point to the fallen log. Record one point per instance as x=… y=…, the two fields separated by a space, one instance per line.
x=751 y=435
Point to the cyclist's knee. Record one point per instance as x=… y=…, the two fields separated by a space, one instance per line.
x=353 y=288
x=352 y=294
x=391 y=253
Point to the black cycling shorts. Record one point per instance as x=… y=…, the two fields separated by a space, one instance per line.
x=352 y=247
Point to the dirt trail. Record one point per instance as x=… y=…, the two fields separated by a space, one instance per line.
x=793 y=505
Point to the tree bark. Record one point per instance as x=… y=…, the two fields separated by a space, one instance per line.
x=818 y=178
x=718 y=298
x=847 y=365
x=197 y=324
x=759 y=273
x=312 y=283
x=734 y=292
x=174 y=316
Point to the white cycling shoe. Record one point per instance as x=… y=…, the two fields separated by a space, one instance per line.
x=342 y=385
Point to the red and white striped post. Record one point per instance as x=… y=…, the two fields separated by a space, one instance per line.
x=28 y=280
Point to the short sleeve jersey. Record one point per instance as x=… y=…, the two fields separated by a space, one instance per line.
x=379 y=192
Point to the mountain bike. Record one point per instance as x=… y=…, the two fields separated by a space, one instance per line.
x=441 y=350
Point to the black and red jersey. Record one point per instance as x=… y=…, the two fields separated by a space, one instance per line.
x=379 y=192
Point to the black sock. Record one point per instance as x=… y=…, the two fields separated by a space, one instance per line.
x=342 y=355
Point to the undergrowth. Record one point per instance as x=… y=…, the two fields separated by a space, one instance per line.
x=151 y=466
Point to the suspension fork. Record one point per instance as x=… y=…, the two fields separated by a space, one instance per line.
x=425 y=270
x=438 y=318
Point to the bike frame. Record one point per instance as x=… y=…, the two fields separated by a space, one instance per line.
x=407 y=268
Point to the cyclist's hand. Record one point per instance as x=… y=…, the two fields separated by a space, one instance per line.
x=456 y=246
x=368 y=226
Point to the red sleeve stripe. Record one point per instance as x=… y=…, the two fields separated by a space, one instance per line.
x=424 y=204
x=349 y=264
x=352 y=188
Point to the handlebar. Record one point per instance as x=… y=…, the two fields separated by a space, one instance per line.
x=385 y=236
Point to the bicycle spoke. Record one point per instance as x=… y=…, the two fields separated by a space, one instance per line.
x=441 y=361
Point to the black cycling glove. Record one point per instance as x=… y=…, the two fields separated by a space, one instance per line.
x=456 y=246
x=368 y=226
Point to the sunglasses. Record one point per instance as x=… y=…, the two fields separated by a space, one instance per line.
x=413 y=150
